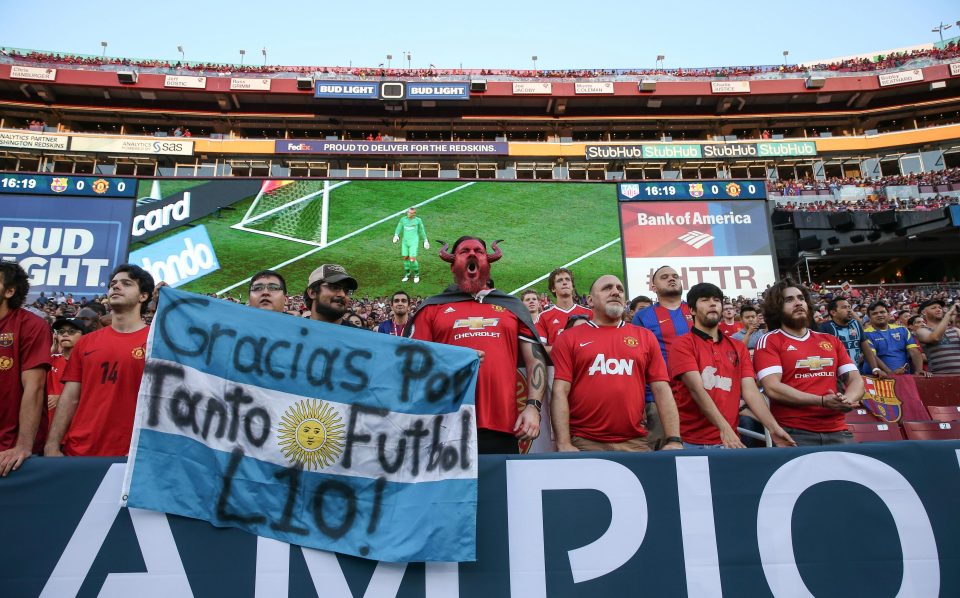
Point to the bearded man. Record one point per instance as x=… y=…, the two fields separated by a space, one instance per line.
x=498 y=327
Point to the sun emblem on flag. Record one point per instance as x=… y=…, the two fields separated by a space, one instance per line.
x=311 y=434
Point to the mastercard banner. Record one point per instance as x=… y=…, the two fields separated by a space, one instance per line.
x=727 y=243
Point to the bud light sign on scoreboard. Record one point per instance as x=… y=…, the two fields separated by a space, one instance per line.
x=68 y=244
x=724 y=242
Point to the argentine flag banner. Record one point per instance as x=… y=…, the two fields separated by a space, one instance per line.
x=310 y=433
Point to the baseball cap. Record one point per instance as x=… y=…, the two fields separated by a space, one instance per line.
x=930 y=302
x=332 y=273
x=73 y=322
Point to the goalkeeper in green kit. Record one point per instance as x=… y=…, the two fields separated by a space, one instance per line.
x=411 y=230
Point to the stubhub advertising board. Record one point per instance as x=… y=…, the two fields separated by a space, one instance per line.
x=178 y=259
x=68 y=244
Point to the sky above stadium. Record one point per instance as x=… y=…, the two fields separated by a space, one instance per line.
x=563 y=34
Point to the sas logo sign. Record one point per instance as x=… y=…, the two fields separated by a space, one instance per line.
x=179 y=259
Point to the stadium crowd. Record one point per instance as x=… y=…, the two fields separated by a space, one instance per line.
x=701 y=355
x=880 y=62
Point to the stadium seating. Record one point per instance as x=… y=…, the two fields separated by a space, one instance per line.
x=860 y=416
x=932 y=430
x=875 y=432
x=944 y=413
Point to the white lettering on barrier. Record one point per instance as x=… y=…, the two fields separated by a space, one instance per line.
x=160 y=217
x=921 y=566
x=273 y=574
x=701 y=562
x=41 y=241
x=165 y=574
x=526 y=481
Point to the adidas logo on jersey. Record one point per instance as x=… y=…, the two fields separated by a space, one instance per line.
x=556 y=321
x=791 y=348
x=615 y=367
x=449 y=310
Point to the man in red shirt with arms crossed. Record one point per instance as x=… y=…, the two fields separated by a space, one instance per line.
x=710 y=371
x=601 y=371
x=102 y=379
x=799 y=369
x=498 y=326
x=25 y=341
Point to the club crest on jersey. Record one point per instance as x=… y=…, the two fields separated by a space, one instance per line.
x=6 y=362
x=630 y=341
x=6 y=339
x=881 y=399
x=826 y=346
x=59 y=184
x=497 y=307
x=138 y=353
x=815 y=363
x=696 y=190
x=476 y=323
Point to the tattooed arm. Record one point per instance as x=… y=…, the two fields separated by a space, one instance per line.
x=535 y=361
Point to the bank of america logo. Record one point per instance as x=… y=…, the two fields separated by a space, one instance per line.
x=696 y=239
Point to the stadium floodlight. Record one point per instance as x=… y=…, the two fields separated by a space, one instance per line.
x=104 y=44
x=389 y=58
x=182 y=55
x=534 y=59
x=242 y=53
x=941 y=28
x=785 y=54
x=409 y=58
x=659 y=62
x=264 y=52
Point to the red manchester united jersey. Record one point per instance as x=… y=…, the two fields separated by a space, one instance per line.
x=810 y=363
x=25 y=340
x=108 y=365
x=721 y=365
x=553 y=320
x=492 y=329
x=608 y=368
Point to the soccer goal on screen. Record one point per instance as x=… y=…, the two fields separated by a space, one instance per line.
x=294 y=210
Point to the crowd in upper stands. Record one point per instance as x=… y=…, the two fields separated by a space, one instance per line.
x=880 y=62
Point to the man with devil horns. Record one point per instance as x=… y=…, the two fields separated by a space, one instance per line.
x=499 y=328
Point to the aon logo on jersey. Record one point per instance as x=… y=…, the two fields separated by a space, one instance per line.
x=615 y=367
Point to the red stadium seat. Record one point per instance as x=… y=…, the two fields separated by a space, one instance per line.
x=875 y=432
x=861 y=416
x=932 y=430
x=942 y=413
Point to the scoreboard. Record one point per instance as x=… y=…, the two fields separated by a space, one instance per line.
x=67 y=184
x=708 y=231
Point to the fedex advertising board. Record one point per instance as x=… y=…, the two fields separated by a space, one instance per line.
x=727 y=243
x=68 y=244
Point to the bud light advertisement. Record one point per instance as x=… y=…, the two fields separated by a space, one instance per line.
x=178 y=259
x=68 y=244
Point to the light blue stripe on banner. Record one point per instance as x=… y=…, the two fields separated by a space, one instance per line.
x=427 y=521
x=312 y=359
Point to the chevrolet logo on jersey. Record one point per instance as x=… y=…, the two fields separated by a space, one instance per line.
x=476 y=323
x=814 y=363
